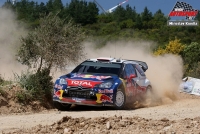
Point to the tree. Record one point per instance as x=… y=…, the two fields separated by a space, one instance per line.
x=49 y=6
x=57 y=5
x=92 y=13
x=130 y=13
x=146 y=16
x=42 y=9
x=198 y=16
x=159 y=19
x=138 y=22
x=82 y=12
x=7 y=4
x=191 y=53
x=191 y=57
x=54 y=43
x=120 y=14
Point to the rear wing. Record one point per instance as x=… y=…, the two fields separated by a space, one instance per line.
x=141 y=63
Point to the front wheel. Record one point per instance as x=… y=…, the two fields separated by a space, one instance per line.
x=120 y=99
x=61 y=106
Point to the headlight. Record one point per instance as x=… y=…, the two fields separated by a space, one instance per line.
x=62 y=81
x=105 y=85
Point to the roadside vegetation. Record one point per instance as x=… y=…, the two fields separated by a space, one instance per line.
x=56 y=31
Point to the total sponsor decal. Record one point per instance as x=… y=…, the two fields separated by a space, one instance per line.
x=82 y=83
x=104 y=98
x=105 y=91
x=90 y=76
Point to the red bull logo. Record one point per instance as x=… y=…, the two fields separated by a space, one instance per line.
x=59 y=94
x=103 y=98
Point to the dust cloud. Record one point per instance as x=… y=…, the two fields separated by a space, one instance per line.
x=10 y=32
x=165 y=72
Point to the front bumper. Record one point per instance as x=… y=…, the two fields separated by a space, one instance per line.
x=83 y=97
x=81 y=101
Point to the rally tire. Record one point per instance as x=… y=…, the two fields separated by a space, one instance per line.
x=61 y=106
x=120 y=99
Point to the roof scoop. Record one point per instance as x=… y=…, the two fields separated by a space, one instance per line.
x=105 y=59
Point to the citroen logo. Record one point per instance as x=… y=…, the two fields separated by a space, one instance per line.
x=80 y=87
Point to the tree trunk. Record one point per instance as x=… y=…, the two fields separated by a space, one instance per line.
x=40 y=66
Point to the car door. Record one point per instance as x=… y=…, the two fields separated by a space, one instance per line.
x=141 y=79
x=130 y=82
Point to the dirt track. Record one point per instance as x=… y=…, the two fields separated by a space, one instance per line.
x=173 y=113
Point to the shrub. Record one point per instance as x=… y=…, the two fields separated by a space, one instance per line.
x=193 y=71
x=173 y=47
x=24 y=96
x=38 y=86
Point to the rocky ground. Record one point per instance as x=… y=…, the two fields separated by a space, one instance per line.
x=117 y=125
x=175 y=117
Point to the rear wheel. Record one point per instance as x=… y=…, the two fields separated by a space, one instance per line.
x=120 y=99
x=61 y=106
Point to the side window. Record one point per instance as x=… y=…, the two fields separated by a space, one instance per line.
x=129 y=69
x=126 y=71
x=140 y=70
x=81 y=69
x=132 y=69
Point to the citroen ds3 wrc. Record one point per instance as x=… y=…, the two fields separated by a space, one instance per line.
x=102 y=82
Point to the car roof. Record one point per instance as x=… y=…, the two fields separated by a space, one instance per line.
x=112 y=60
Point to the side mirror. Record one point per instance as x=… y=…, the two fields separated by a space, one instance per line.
x=132 y=76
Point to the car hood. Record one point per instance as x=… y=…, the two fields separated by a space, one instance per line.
x=87 y=80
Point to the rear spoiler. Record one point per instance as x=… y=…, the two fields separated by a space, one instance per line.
x=141 y=63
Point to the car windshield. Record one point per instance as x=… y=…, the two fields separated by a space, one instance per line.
x=98 y=68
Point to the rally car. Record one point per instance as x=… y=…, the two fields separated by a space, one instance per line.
x=102 y=82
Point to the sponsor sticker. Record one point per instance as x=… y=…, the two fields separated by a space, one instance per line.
x=59 y=94
x=105 y=91
x=78 y=99
x=90 y=76
x=104 y=98
x=83 y=83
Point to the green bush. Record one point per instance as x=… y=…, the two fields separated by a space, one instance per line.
x=38 y=86
x=193 y=71
x=24 y=96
